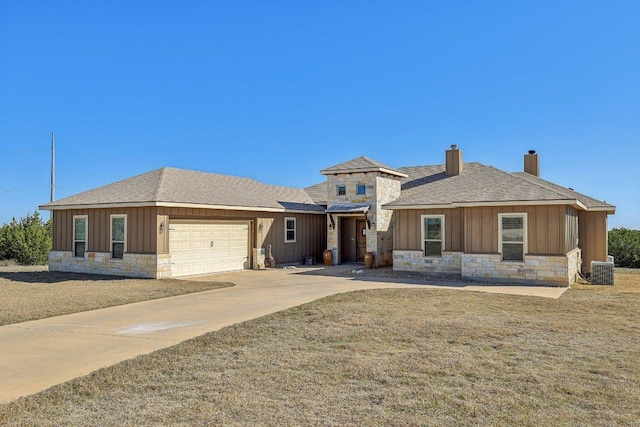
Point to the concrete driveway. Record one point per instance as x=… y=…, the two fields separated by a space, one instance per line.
x=38 y=354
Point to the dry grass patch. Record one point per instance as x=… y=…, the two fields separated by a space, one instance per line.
x=29 y=293
x=386 y=357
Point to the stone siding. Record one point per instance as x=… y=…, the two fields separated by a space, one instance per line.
x=380 y=189
x=535 y=270
x=448 y=263
x=574 y=261
x=131 y=265
x=387 y=190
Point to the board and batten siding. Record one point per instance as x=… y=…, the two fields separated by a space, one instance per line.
x=311 y=237
x=545 y=229
x=142 y=235
x=407 y=228
x=311 y=230
x=475 y=230
x=593 y=238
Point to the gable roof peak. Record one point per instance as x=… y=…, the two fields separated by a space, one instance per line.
x=362 y=164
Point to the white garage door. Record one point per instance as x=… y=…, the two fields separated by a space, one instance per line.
x=201 y=248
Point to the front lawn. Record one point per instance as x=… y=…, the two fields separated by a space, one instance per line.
x=30 y=293
x=384 y=357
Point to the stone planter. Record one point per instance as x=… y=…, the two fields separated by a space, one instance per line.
x=327 y=257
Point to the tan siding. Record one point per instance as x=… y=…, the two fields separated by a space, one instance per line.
x=311 y=234
x=62 y=221
x=407 y=228
x=592 y=235
x=162 y=240
x=455 y=239
x=266 y=223
x=150 y=231
x=143 y=230
x=545 y=228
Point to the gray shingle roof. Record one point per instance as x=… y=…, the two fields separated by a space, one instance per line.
x=171 y=185
x=361 y=164
x=589 y=202
x=421 y=186
x=478 y=184
x=318 y=193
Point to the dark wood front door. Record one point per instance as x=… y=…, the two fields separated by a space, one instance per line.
x=361 y=239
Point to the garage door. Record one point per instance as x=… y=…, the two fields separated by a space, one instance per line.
x=201 y=248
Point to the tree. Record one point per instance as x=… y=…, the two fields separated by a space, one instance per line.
x=624 y=246
x=27 y=241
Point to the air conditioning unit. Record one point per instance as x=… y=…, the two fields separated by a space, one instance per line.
x=601 y=273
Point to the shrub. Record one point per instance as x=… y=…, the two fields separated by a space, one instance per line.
x=28 y=241
x=624 y=246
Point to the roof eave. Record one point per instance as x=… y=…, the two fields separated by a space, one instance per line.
x=575 y=203
x=364 y=170
x=608 y=209
x=319 y=211
x=418 y=206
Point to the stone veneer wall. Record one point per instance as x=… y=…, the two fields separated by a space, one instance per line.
x=387 y=190
x=448 y=263
x=132 y=265
x=379 y=190
x=574 y=261
x=535 y=270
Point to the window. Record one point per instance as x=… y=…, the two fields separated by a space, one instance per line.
x=289 y=230
x=79 y=235
x=513 y=238
x=432 y=235
x=118 y=236
x=341 y=190
x=361 y=190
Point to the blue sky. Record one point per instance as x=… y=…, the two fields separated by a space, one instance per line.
x=279 y=90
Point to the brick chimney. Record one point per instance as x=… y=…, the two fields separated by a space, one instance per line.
x=454 y=161
x=532 y=163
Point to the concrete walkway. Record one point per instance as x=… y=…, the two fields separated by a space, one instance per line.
x=38 y=354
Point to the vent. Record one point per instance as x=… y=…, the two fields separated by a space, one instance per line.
x=609 y=258
x=601 y=273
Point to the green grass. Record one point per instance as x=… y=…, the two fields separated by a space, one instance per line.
x=385 y=357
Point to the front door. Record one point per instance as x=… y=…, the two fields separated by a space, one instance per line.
x=361 y=239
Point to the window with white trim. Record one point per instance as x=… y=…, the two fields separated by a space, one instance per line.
x=432 y=235
x=118 y=236
x=79 y=235
x=512 y=236
x=289 y=230
x=341 y=190
x=361 y=190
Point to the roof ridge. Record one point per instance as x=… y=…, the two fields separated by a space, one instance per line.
x=159 y=183
x=440 y=164
x=552 y=186
x=540 y=183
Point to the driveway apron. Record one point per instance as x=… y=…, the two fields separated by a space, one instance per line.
x=38 y=354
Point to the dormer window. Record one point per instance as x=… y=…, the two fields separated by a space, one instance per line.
x=341 y=190
x=361 y=190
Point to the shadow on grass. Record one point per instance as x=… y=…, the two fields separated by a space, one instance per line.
x=409 y=278
x=56 y=277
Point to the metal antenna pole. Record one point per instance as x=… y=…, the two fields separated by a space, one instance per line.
x=53 y=167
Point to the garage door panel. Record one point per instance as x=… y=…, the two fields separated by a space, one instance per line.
x=201 y=248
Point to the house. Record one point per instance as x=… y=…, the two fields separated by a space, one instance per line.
x=174 y=222
x=463 y=219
